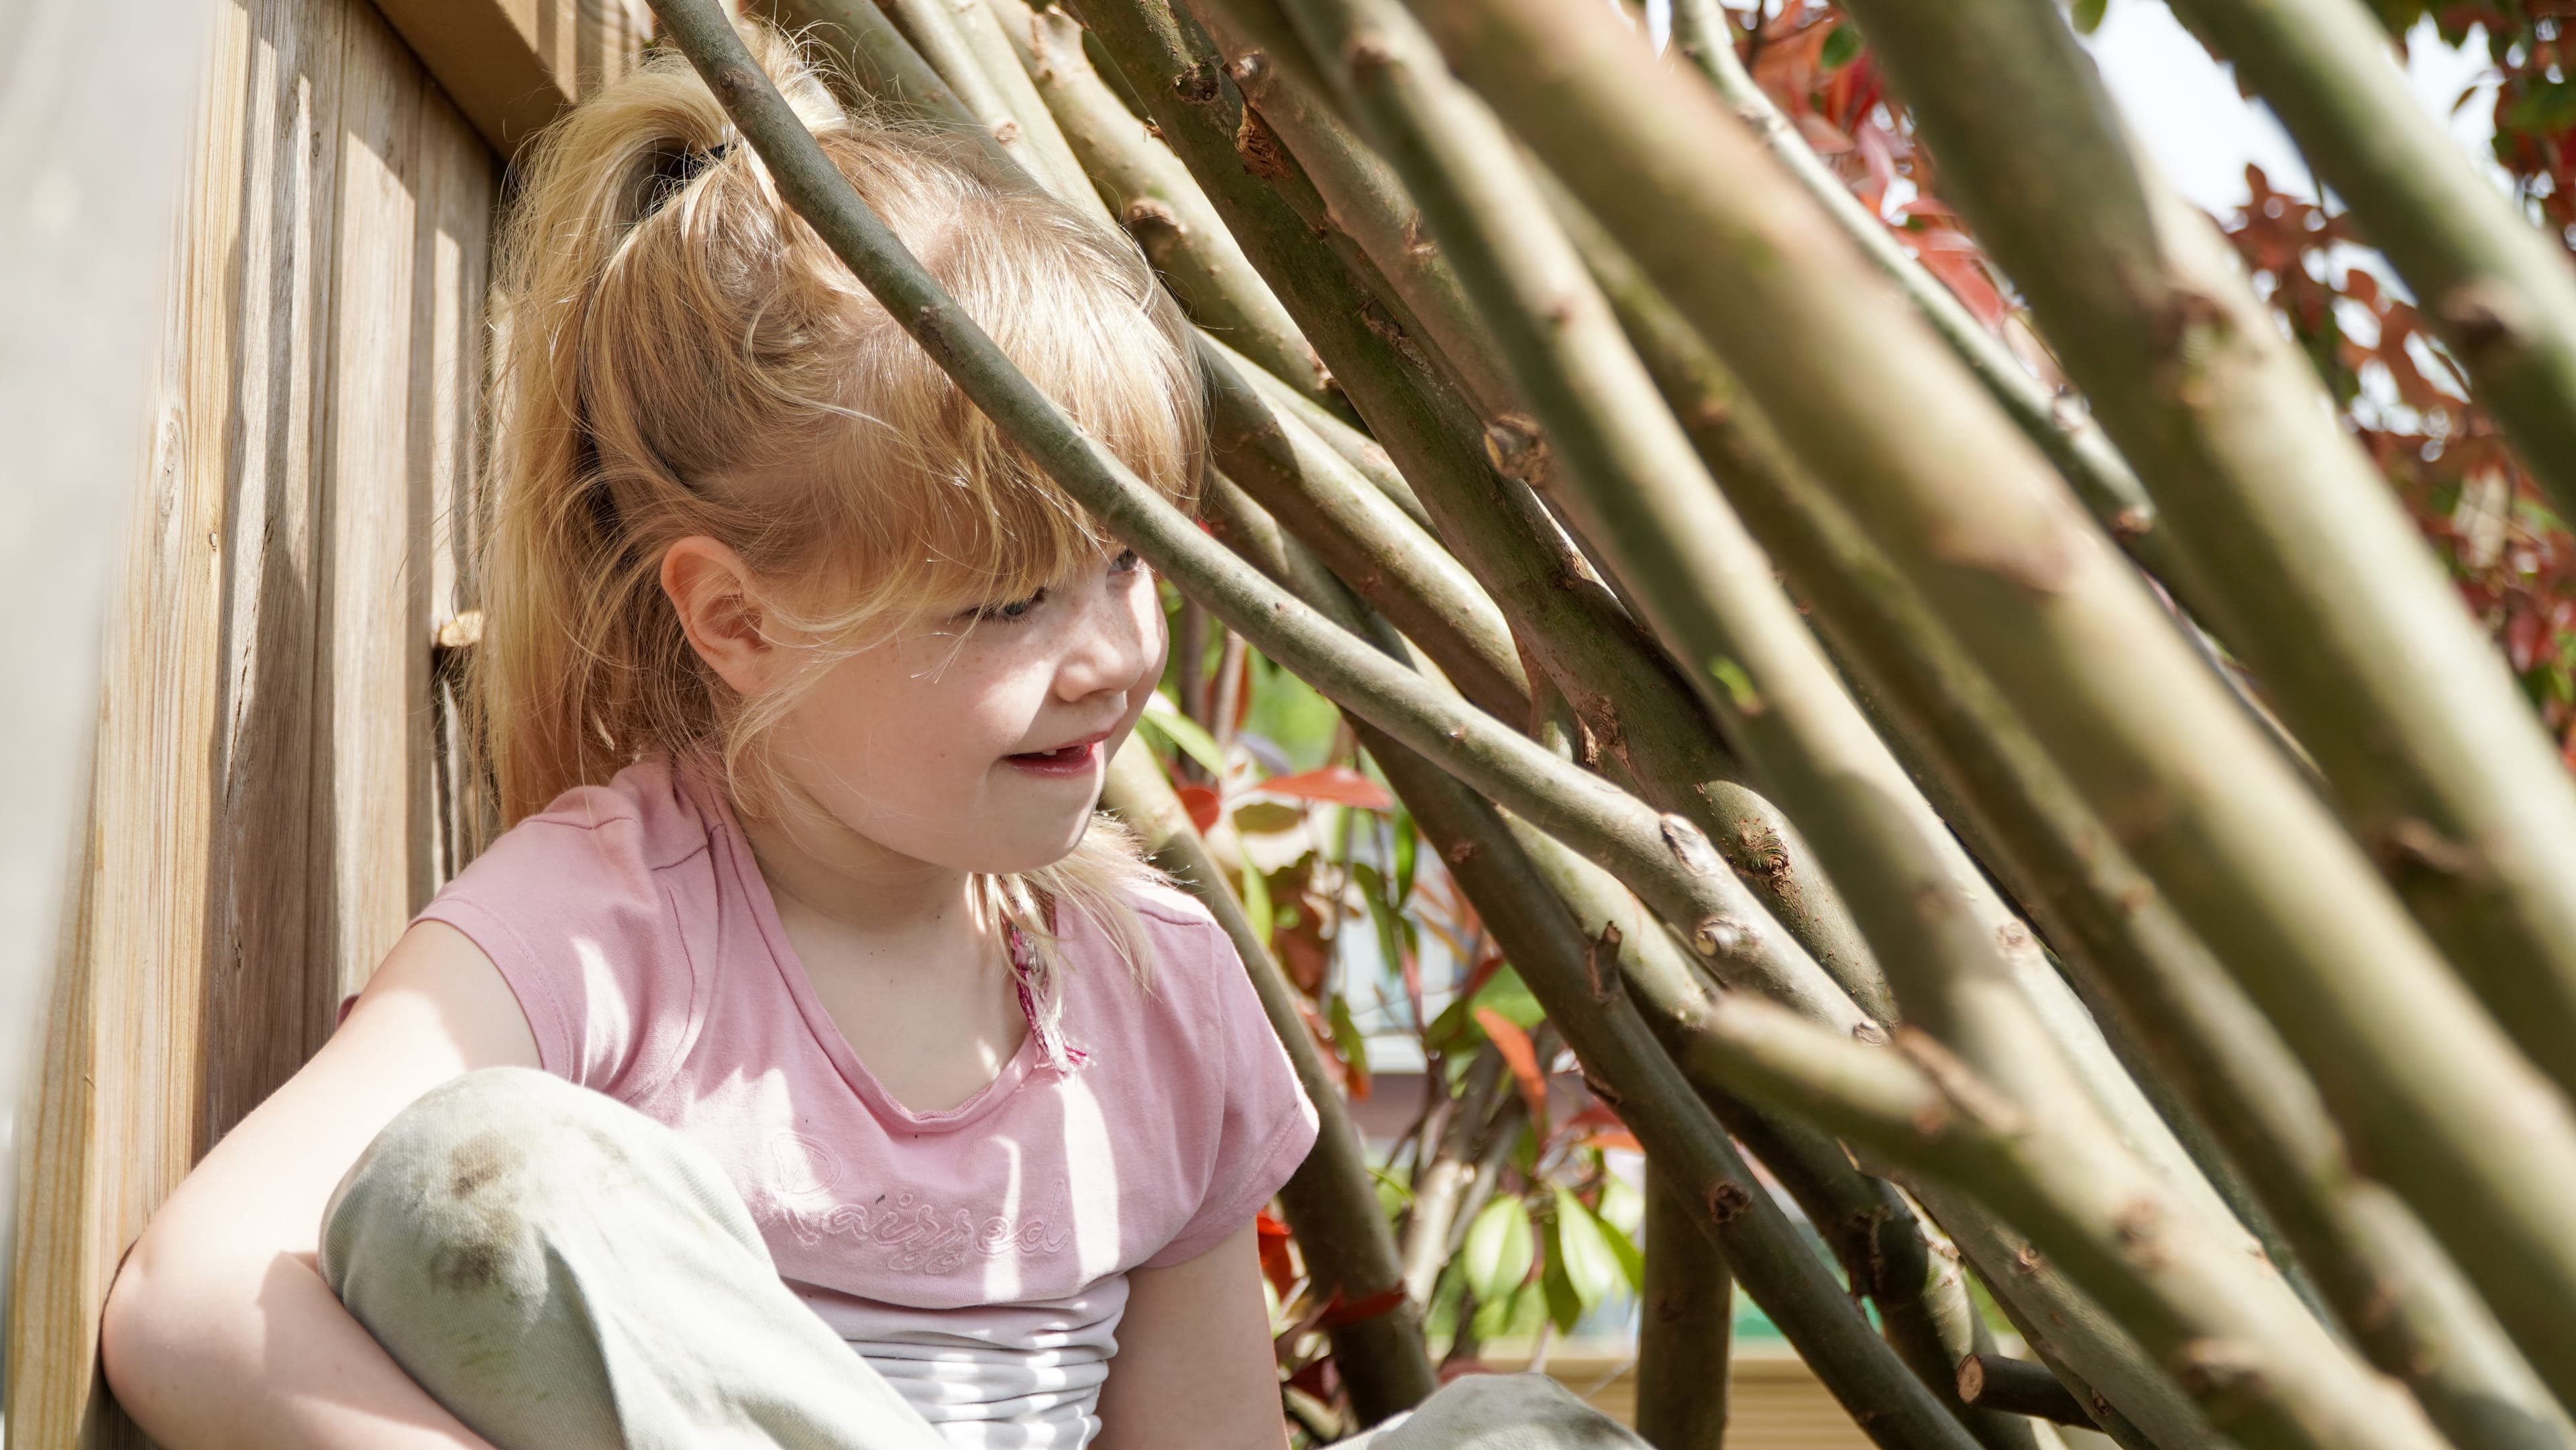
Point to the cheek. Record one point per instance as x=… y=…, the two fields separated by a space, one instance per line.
x=911 y=720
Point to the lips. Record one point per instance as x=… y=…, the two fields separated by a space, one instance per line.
x=1076 y=758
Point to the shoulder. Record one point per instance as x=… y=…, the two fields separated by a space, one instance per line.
x=605 y=871
x=591 y=845
x=1166 y=908
x=649 y=814
x=1190 y=956
x=597 y=910
x=1182 y=973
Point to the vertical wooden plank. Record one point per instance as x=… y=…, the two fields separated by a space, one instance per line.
x=371 y=677
x=98 y=1127
x=264 y=864
x=460 y=182
x=261 y=813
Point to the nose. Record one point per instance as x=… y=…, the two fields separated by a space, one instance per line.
x=1116 y=644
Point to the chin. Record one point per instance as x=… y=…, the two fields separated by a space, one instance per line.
x=1037 y=855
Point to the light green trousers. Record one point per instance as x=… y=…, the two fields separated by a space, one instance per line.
x=564 y=1273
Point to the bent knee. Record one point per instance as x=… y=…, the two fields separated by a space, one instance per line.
x=456 y=1188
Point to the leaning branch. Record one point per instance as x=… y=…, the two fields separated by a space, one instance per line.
x=2397 y=1295
x=2431 y=1091
x=2299 y=553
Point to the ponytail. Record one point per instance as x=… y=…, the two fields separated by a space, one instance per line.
x=564 y=681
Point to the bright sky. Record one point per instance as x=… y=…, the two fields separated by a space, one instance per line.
x=2203 y=133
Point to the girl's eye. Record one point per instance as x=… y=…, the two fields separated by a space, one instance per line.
x=1125 y=563
x=1015 y=610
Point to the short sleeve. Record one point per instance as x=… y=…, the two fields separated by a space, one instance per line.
x=568 y=905
x=1265 y=1125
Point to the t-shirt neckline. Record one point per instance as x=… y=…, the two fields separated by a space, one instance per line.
x=819 y=1025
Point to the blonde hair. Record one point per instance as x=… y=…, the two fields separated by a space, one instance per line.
x=679 y=354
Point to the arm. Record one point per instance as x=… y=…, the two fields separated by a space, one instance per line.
x=219 y=1331
x=1194 y=1369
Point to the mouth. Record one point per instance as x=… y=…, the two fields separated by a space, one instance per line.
x=1074 y=759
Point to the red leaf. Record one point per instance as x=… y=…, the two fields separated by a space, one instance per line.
x=1964 y=271
x=1303 y=953
x=1606 y=1131
x=1203 y=804
x=1521 y=1058
x=1339 y=784
x=1596 y=1116
x=1276 y=1266
x=1316 y=1378
x=1413 y=984
x=1337 y=1315
x=1481 y=973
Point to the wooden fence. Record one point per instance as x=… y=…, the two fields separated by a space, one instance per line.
x=266 y=804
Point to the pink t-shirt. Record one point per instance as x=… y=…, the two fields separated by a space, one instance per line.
x=976 y=1256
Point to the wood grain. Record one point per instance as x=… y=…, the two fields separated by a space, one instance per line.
x=265 y=813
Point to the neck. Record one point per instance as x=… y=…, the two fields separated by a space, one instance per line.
x=830 y=872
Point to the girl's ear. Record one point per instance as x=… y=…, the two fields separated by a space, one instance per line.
x=710 y=588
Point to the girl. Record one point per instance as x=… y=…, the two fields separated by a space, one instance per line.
x=808 y=1006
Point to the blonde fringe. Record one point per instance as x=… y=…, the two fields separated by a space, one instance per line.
x=678 y=354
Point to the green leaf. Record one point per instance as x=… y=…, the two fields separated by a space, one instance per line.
x=1256 y=903
x=1494 y=1317
x=1381 y=915
x=1163 y=718
x=1840 y=48
x=1394 y=1192
x=1287 y=712
x=2542 y=106
x=1447 y=1030
x=1632 y=1260
x=1262 y=818
x=1346 y=1034
x=1505 y=993
x=1406 y=840
x=1517 y=1317
x=1497 y=1252
x=2088 y=15
x=1371 y=885
x=1440 y=1321
x=1591 y=1265
x=1564 y=1301
x=1622 y=1207
x=1739 y=685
